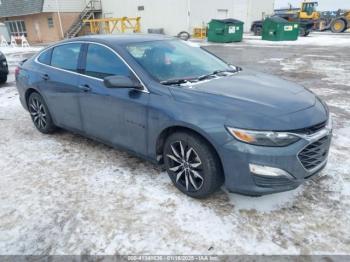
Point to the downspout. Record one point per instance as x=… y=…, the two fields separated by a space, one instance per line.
x=59 y=18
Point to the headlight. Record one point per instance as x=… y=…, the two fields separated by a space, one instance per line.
x=329 y=124
x=263 y=138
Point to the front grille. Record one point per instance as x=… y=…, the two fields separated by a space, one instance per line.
x=315 y=153
x=310 y=130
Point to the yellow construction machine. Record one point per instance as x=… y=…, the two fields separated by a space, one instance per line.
x=337 y=24
x=308 y=11
x=306 y=16
x=341 y=22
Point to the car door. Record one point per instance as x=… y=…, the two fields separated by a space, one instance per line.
x=60 y=85
x=115 y=115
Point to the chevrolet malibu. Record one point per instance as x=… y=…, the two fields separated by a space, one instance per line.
x=207 y=122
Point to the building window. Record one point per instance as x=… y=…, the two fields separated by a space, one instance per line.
x=50 y=22
x=17 y=28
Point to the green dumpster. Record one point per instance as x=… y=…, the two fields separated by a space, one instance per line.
x=278 y=29
x=225 y=30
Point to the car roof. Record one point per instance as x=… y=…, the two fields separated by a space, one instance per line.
x=122 y=39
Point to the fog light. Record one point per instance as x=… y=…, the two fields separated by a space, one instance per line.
x=269 y=171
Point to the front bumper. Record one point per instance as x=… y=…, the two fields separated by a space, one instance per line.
x=236 y=157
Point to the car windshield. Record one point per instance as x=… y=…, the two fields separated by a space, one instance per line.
x=169 y=60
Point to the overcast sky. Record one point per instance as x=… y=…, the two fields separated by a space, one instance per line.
x=323 y=5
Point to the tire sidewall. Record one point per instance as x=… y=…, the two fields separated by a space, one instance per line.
x=338 y=21
x=211 y=169
x=49 y=128
x=258 y=31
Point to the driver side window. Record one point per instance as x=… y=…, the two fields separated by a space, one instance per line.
x=102 y=62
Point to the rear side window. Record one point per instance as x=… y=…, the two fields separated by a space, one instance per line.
x=102 y=62
x=45 y=57
x=66 y=56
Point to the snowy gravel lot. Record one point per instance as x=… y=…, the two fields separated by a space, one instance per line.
x=65 y=194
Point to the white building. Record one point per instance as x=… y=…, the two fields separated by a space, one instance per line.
x=183 y=15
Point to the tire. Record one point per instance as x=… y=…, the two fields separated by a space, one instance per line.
x=302 y=31
x=257 y=31
x=338 y=26
x=195 y=169
x=40 y=114
x=183 y=35
x=3 y=79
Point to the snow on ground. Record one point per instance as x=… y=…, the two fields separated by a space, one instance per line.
x=65 y=194
x=314 y=39
x=16 y=50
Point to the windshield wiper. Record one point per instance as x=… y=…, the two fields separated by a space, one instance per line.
x=180 y=81
x=216 y=72
x=175 y=81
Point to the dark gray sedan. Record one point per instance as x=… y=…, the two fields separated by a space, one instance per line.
x=175 y=104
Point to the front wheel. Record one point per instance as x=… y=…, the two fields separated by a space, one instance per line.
x=192 y=165
x=40 y=114
x=338 y=26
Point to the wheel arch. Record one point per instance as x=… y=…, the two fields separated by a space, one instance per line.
x=32 y=90
x=27 y=94
x=165 y=133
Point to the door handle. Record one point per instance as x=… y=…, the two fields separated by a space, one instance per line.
x=45 y=77
x=85 y=88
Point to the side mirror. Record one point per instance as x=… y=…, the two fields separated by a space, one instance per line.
x=121 y=82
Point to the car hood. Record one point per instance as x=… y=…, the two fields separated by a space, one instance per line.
x=254 y=96
x=273 y=95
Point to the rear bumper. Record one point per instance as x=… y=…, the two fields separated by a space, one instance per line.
x=236 y=157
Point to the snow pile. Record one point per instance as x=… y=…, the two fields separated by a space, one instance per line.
x=15 y=50
x=314 y=39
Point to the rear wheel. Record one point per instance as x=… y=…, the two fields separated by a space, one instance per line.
x=257 y=30
x=183 y=35
x=192 y=165
x=303 y=31
x=40 y=114
x=338 y=26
